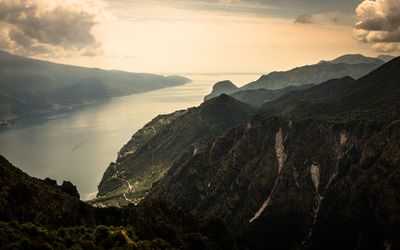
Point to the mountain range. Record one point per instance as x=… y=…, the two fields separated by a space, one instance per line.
x=314 y=167
x=29 y=86
x=354 y=66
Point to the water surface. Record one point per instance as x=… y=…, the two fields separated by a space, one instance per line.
x=78 y=145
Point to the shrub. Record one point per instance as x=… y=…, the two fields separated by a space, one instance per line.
x=101 y=233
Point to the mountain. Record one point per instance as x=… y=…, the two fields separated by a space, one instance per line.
x=223 y=87
x=386 y=58
x=315 y=169
x=257 y=97
x=165 y=141
x=354 y=66
x=312 y=74
x=355 y=59
x=29 y=86
x=37 y=214
x=372 y=97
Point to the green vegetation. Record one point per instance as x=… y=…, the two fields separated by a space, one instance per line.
x=163 y=143
x=39 y=215
x=14 y=235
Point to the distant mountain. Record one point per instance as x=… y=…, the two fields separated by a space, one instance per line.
x=315 y=169
x=354 y=66
x=257 y=97
x=165 y=141
x=29 y=86
x=223 y=87
x=372 y=97
x=386 y=58
x=37 y=214
x=312 y=74
x=355 y=59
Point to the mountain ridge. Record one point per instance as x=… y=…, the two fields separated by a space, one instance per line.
x=352 y=65
x=29 y=86
x=164 y=142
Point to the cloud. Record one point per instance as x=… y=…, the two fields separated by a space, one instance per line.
x=49 y=28
x=379 y=24
x=335 y=18
x=261 y=8
x=304 y=19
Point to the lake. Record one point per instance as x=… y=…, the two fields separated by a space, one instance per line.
x=78 y=145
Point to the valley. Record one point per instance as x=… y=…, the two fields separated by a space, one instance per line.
x=310 y=168
x=204 y=125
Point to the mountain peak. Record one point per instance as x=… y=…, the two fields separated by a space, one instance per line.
x=355 y=59
x=222 y=87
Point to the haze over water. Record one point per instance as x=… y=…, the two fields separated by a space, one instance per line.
x=79 y=144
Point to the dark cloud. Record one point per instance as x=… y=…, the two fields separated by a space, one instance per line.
x=37 y=27
x=271 y=8
x=379 y=24
x=304 y=19
x=330 y=18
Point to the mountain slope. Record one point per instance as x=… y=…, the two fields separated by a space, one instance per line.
x=257 y=97
x=165 y=141
x=29 y=86
x=386 y=58
x=311 y=74
x=309 y=181
x=150 y=225
x=373 y=97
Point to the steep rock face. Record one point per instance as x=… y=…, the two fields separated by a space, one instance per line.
x=165 y=141
x=223 y=87
x=281 y=183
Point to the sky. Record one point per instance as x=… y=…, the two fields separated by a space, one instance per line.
x=198 y=36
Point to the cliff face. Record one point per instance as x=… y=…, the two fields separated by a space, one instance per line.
x=165 y=141
x=316 y=169
x=284 y=183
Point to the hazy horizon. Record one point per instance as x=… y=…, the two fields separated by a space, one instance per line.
x=198 y=36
